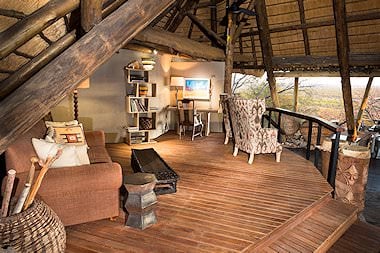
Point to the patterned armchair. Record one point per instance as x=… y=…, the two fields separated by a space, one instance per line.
x=249 y=136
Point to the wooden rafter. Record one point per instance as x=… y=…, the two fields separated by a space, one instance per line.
x=179 y=44
x=110 y=7
x=34 y=99
x=343 y=49
x=243 y=21
x=213 y=19
x=12 y=14
x=174 y=13
x=188 y=6
x=91 y=13
x=254 y=57
x=27 y=28
x=363 y=105
x=349 y=19
x=191 y=27
x=163 y=14
x=29 y=69
x=326 y=73
x=301 y=9
x=208 y=4
x=266 y=48
x=211 y=35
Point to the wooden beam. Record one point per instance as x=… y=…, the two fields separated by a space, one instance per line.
x=243 y=21
x=301 y=9
x=29 y=69
x=211 y=35
x=139 y=48
x=324 y=61
x=175 y=12
x=208 y=4
x=34 y=99
x=16 y=35
x=180 y=44
x=325 y=73
x=188 y=6
x=91 y=13
x=363 y=105
x=191 y=27
x=213 y=19
x=12 y=13
x=229 y=62
x=266 y=48
x=110 y=7
x=343 y=49
x=253 y=49
x=163 y=14
x=349 y=19
x=295 y=94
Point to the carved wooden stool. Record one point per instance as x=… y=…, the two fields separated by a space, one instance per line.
x=141 y=200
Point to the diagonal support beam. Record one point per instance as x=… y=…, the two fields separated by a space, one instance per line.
x=343 y=50
x=189 y=5
x=211 y=35
x=363 y=105
x=179 y=44
x=34 y=99
x=243 y=21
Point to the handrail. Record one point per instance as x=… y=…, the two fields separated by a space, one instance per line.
x=325 y=123
x=321 y=123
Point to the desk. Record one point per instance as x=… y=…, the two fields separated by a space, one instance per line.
x=206 y=111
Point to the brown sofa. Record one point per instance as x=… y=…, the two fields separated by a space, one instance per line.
x=77 y=194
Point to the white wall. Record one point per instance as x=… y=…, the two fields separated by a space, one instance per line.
x=211 y=70
x=102 y=106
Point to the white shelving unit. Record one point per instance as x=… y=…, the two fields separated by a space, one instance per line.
x=142 y=114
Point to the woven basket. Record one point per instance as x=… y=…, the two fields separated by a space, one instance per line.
x=146 y=123
x=37 y=229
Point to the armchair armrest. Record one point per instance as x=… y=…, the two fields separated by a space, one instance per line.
x=95 y=138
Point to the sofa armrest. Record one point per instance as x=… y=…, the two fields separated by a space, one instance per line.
x=91 y=177
x=95 y=138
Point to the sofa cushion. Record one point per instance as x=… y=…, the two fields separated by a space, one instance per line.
x=72 y=155
x=98 y=154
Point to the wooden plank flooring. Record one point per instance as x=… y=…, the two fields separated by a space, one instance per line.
x=223 y=204
x=360 y=237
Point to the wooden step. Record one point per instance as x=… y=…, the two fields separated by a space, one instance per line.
x=315 y=230
x=360 y=237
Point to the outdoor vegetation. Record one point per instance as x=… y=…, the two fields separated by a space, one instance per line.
x=320 y=97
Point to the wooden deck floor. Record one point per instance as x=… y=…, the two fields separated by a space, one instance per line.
x=223 y=204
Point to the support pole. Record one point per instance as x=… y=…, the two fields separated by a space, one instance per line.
x=295 y=95
x=344 y=67
x=266 y=48
x=91 y=13
x=229 y=56
x=363 y=105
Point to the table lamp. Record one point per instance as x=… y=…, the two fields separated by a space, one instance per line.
x=85 y=84
x=177 y=82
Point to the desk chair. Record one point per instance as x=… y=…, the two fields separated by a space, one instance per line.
x=188 y=117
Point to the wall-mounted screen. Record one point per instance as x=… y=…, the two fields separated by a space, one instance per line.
x=197 y=88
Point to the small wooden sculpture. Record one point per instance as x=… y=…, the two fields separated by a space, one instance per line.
x=8 y=192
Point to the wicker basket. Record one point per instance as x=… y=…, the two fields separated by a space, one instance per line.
x=38 y=229
x=145 y=123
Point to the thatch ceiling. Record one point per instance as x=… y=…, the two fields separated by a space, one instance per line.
x=302 y=32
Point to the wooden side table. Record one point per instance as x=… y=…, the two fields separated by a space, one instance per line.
x=141 y=200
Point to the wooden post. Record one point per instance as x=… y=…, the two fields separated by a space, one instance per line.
x=16 y=35
x=229 y=62
x=91 y=13
x=295 y=95
x=266 y=48
x=344 y=67
x=29 y=69
x=363 y=105
x=26 y=105
x=214 y=20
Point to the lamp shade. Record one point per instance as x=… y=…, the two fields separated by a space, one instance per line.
x=177 y=81
x=85 y=84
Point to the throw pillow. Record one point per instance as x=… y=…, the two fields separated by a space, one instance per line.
x=65 y=132
x=71 y=155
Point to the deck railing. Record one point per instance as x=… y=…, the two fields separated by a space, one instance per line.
x=321 y=123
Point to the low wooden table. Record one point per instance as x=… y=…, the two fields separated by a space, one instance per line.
x=141 y=200
x=148 y=161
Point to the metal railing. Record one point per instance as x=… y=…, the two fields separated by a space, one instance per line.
x=321 y=123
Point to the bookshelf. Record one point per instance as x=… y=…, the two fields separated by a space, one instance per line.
x=142 y=114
